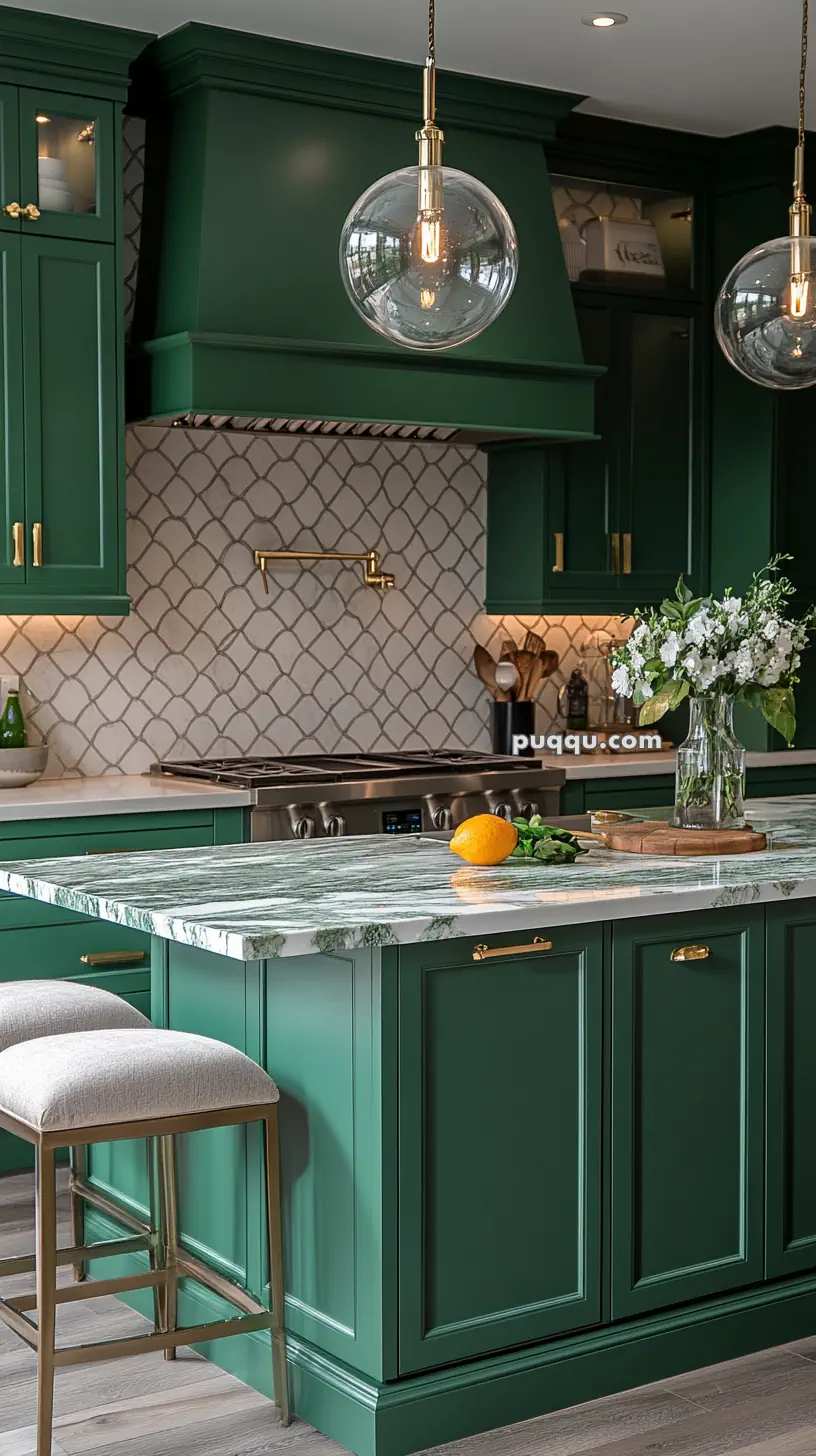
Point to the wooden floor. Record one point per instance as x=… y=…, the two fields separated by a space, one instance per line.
x=761 y=1406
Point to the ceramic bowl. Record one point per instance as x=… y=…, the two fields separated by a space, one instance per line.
x=21 y=766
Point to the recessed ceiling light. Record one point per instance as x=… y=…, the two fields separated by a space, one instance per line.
x=604 y=19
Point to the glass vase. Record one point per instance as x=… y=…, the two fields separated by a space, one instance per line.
x=710 y=781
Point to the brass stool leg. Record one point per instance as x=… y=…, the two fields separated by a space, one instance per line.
x=157 y=1255
x=79 y=1169
x=274 y=1237
x=46 y=1295
x=170 y=1235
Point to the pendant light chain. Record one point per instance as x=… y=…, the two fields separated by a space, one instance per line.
x=432 y=29
x=802 y=73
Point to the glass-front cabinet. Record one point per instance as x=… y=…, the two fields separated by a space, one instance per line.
x=58 y=173
x=613 y=235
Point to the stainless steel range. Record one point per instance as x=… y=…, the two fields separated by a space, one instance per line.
x=306 y=797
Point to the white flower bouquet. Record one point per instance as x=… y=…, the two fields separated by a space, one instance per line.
x=717 y=652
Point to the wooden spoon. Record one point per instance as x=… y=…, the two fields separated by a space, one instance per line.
x=533 y=643
x=549 y=663
x=524 y=662
x=486 y=671
x=535 y=676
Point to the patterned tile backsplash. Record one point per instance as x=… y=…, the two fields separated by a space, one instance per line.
x=206 y=664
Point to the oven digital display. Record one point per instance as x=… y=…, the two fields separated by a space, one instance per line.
x=402 y=821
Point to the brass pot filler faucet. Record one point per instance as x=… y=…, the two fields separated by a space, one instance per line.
x=372 y=574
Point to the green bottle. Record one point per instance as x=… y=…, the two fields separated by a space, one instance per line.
x=12 y=724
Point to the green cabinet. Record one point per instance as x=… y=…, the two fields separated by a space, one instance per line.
x=62 y=509
x=500 y=1144
x=61 y=504
x=687 y=1079
x=608 y=525
x=57 y=173
x=73 y=510
x=790 y=1212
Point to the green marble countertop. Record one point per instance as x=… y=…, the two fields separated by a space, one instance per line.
x=284 y=899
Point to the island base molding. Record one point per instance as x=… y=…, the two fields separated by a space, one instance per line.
x=403 y=1416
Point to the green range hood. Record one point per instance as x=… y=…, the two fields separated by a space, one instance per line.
x=256 y=151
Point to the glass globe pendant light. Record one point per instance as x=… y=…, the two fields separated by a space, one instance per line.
x=428 y=254
x=765 y=317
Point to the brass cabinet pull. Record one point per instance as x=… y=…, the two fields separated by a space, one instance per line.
x=114 y=851
x=12 y=209
x=627 y=553
x=483 y=952
x=615 y=541
x=559 y=551
x=19 y=543
x=36 y=541
x=691 y=953
x=30 y=211
x=113 y=957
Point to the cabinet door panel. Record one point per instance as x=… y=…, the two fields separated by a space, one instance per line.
x=70 y=373
x=67 y=165
x=687 y=1116
x=658 y=502
x=500 y=1146
x=12 y=501
x=790 y=1234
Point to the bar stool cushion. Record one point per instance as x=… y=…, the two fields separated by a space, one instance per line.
x=30 y=1009
x=96 y=1078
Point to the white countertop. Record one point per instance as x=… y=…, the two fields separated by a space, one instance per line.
x=637 y=765
x=295 y=897
x=114 y=794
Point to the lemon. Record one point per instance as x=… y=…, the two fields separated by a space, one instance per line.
x=485 y=839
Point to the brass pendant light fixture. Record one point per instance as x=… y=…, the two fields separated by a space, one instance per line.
x=428 y=254
x=765 y=317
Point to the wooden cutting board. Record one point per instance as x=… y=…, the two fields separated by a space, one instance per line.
x=659 y=837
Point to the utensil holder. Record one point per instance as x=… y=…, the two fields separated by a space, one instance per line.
x=508 y=719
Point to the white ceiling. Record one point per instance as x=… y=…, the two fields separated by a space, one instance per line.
x=715 y=66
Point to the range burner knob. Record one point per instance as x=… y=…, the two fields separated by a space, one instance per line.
x=499 y=807
x=441 y=814
x=334 y=825
x=528 y=810
x=302 y=826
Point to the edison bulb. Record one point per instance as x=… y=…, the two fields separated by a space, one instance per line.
x=429 y=257
x=765 y=317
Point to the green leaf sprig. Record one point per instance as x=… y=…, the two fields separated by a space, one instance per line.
x=544 y=844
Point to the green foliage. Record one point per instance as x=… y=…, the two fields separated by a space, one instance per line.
x=544 y=844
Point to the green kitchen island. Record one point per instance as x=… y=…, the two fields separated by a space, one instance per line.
x=546 y=1134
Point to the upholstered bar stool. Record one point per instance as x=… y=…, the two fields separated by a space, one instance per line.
x=30 y=1009
x=104 y=1086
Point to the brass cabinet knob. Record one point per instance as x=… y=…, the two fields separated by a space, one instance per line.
x=12 y=209
x=36 y=542
x=691 y=953
x=19 y=544
x=30 y=211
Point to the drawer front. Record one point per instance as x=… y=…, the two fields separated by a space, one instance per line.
x=16 y=911
x=57 y=951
